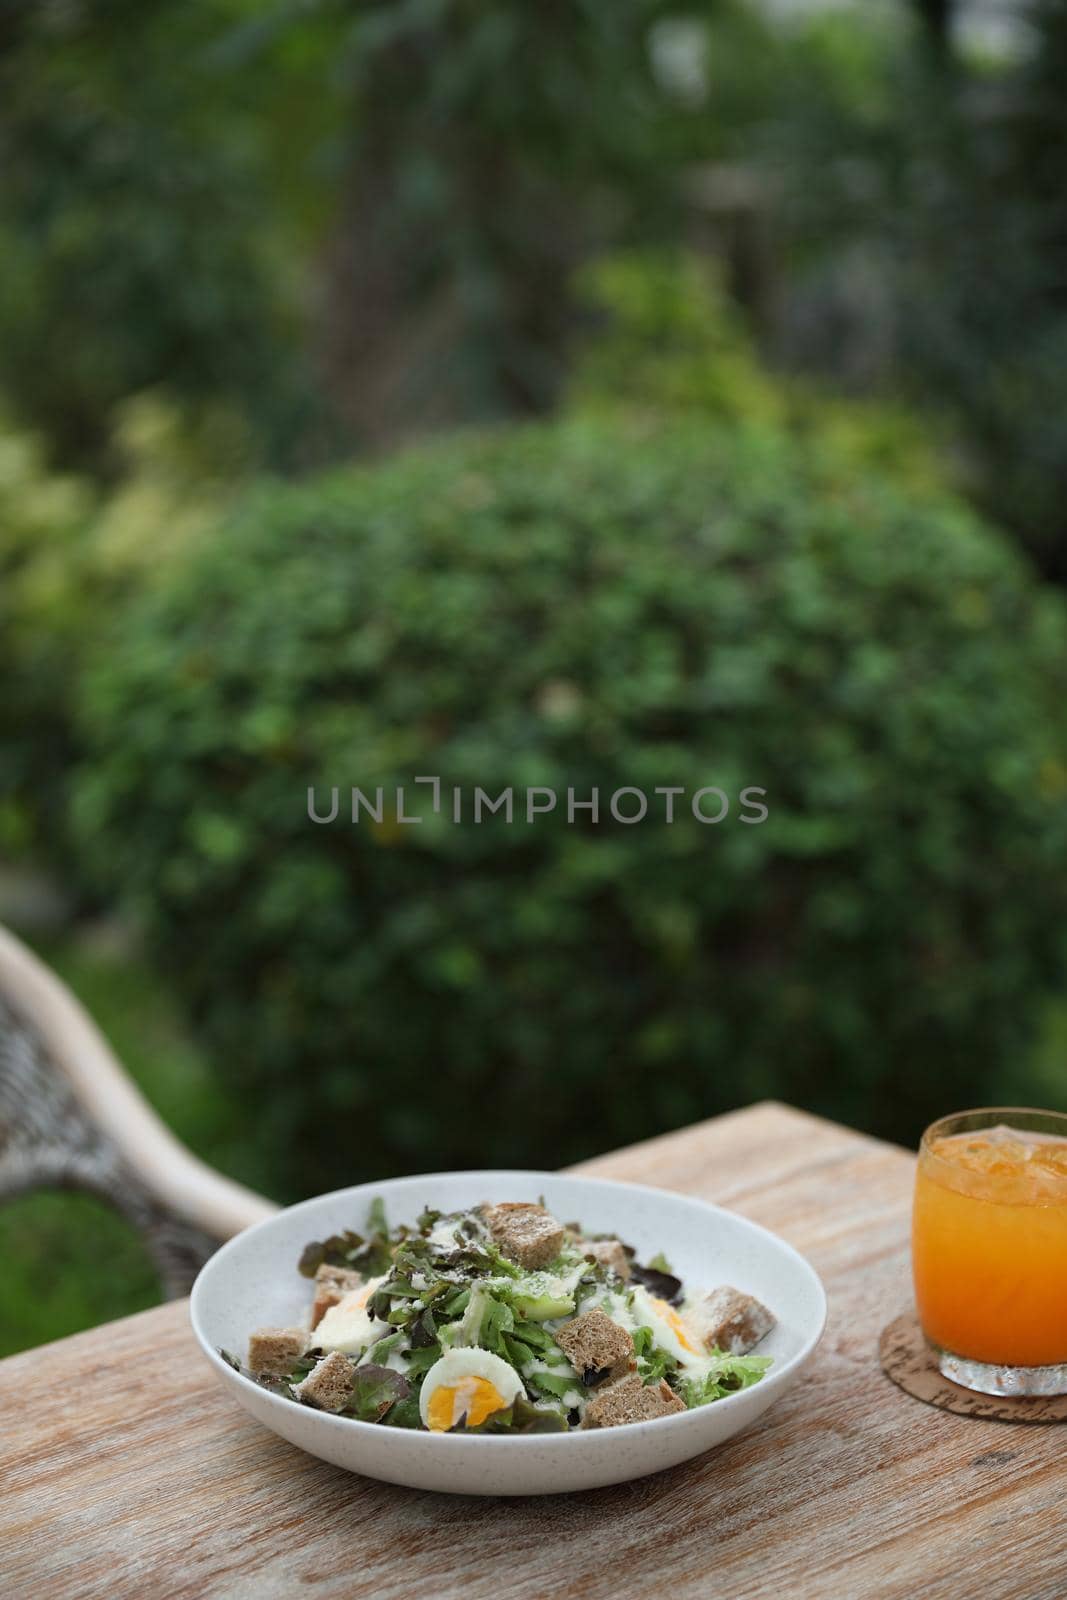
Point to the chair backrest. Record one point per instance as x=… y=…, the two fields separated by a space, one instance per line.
x=59 y=1037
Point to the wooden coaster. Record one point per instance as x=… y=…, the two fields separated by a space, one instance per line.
x=908 y=1360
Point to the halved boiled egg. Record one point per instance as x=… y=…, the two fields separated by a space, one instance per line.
x=468 y=1383
x=670 y=1330
x=348 y=1326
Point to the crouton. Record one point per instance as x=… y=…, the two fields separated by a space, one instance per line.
x=525 y=1233
x=276 y=1351
x=328 y=1384
x=331 y=1286
x=597 y=1348
x=609 y=1253
x=630 y=1400
x=733 y=1322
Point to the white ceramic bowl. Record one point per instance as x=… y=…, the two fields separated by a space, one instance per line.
x=252 y=1282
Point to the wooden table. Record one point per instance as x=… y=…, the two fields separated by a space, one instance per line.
x=127 y=1472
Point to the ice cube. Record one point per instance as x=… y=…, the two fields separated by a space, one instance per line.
x=1051 y=1156
x=980 y=1153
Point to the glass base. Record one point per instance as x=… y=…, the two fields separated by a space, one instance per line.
x=986 y=1379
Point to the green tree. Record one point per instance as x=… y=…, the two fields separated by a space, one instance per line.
x=138 y=243
x=487 y=151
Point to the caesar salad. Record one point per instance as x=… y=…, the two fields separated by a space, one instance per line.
x=499 y=1319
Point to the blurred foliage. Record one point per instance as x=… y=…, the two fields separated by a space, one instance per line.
x=590 y=604
x=139 y=238
x=42 y=519
x=350 y=223
x=669 y=341
x=70 y=1262
x=486 y=152
x=70 y=555
x=921 y=214
x=343 y=220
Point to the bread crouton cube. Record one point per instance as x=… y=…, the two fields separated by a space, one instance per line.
x=609 y=1253
x=328 y=1384
x=630 y=1400
x=733 y=1322
x=597 y=1348
x=331 y=1286
x=276 y=1351
x=525 y=1233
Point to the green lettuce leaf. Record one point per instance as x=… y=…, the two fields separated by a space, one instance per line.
x=404 y=1414
x=368 y=1253
x=374 y=1391
x=653 y=1362
x=520 y=1417
x=727 y=1375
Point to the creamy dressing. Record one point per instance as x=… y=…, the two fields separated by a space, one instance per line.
x=442 y=1236
x=571 y=1399
x=617 y=1307
x=396 y=1362
x=566 y=1281
x=558 y=1369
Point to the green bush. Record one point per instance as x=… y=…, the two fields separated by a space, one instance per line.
x=584 y=605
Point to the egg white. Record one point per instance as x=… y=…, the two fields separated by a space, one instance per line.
x=348 y=1326
x=455 y=1365
x=671 y=1329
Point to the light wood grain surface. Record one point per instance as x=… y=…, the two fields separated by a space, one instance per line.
x=127 y=1472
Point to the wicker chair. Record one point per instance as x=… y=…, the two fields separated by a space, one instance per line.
x=70 y=1117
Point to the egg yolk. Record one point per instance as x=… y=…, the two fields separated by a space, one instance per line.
x=474 y=1398
x=677 y=1326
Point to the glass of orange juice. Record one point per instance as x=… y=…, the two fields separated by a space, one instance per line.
x=989 y=1249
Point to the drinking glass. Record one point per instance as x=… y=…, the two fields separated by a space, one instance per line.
x=989 y=1249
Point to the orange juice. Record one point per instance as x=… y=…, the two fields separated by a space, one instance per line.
x=989 y=1240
